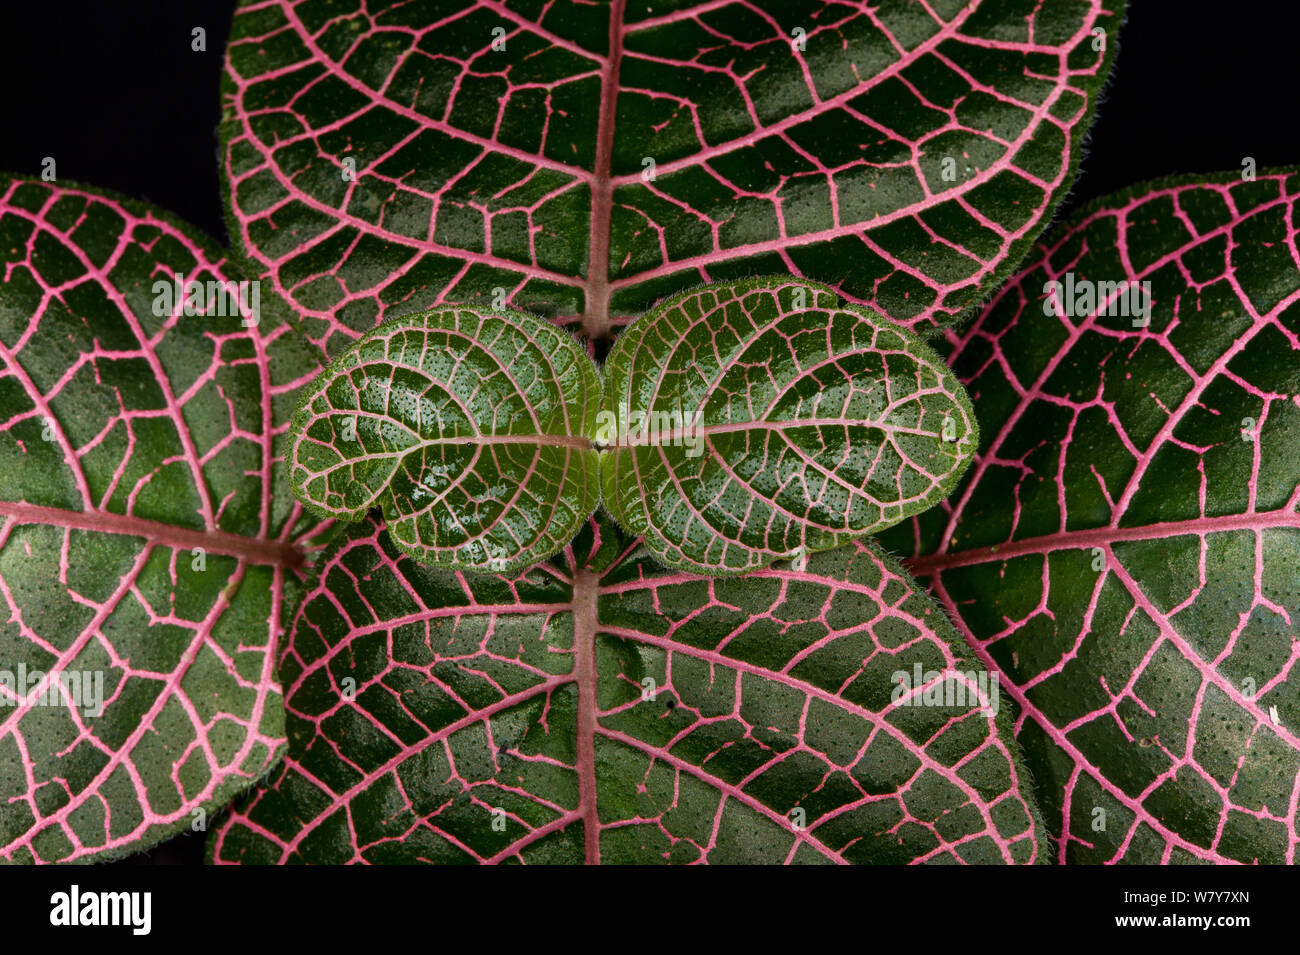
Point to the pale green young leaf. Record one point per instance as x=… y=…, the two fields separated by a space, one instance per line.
x=763 y=420
x=466 y=426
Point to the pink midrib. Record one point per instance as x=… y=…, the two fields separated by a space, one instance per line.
x=586 y=590
x=1085 y=539
x=250 y=549
x=595 y=320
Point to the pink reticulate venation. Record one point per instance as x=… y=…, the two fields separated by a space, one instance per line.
x=1127 y=546
x=588 y=159
x=599 y=708
x=143 y=562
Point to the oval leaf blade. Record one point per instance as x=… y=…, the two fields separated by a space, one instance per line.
x=601 y=709
x=764 y=420
x=468 y=427
x=145 y=532
x=1127 y=546
x=585 y=159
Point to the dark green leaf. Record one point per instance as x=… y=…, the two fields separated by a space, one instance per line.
x=1127 y=547
x=146 y=530
x=599 y=708
x=582 y=160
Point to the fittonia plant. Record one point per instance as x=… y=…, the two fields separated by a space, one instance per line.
x=586 y=336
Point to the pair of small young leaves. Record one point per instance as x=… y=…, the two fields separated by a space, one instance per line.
x=738 y=424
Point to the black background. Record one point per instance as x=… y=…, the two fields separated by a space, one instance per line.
x=113 y=91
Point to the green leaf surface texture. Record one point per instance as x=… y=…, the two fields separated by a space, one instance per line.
x=599 y=708
x=1126 y=547
x=145 y=526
